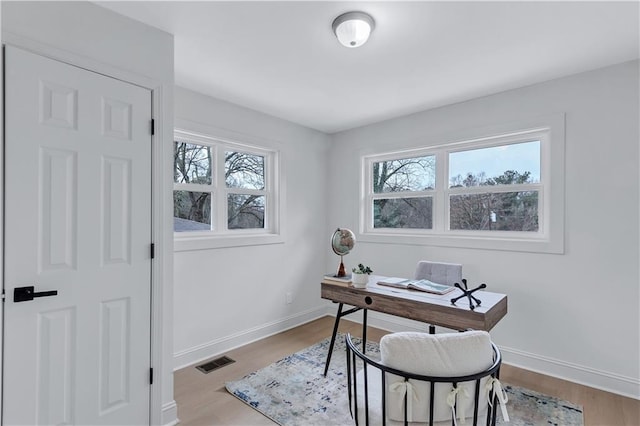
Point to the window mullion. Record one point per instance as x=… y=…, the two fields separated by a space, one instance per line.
x=496 y=189
x=273 y=188
x=440 y=208
x=195 y=187
x=246 y=191
x=366 y=214
x=221 y=193
x=403 y=194
x=266 y=191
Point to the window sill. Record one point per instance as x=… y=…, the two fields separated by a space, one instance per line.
x=532 y=245
x=208 y=242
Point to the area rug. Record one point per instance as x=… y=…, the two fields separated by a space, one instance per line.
x=293 y=392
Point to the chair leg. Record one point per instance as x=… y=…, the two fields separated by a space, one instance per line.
x=364 y=330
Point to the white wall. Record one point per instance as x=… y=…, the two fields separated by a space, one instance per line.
x=566 y=312
x=574 y=315
x=90 y=36
x=226 y=297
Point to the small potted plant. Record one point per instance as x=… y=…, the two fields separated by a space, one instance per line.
x=360 y=275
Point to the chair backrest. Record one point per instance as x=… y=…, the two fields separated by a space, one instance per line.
x=420 y=376
x=439 y=272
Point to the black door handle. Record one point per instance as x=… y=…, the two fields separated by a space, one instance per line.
x=24 y=294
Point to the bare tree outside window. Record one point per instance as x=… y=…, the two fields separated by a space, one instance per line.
x=406 y=175
x=496 y=209
x=245 y=211
x=413 y=213
x=243 y=172
x=219 y=188
x=192 y=165
x=192 y=210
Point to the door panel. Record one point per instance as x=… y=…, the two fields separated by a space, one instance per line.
x=77 y=220
x=114 y=354
x=116 y=201
x=57 y=208
x=56 y=367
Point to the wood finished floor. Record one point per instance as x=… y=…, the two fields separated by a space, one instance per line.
x=203 y=400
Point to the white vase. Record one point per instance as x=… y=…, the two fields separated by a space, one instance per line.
x=360 y=280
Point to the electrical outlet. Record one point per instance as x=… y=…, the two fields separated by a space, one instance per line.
x=289 y=297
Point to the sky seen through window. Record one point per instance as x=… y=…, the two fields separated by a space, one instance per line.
x=494 y=161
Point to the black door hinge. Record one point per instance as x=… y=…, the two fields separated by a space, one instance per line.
x=3 y=295
x=151 y=376
x=153 y=127
x=153 y=250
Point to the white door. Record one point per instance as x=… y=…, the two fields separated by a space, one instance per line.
x=77 y=221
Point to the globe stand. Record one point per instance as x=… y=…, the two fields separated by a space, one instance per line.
x=341 y=272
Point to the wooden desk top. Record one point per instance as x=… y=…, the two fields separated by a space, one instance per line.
x=417 y=305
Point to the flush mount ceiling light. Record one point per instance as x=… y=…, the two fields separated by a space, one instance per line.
x=353 y=28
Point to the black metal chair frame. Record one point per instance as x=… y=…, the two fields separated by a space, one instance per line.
x=353 y=353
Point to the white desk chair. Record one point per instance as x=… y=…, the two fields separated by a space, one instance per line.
x=438 y=272
x=442 y=379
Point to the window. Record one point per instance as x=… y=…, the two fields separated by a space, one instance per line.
x=493 y=192
x=223 y=188
x=495 y=188
x=403 y=192
x=193 y=186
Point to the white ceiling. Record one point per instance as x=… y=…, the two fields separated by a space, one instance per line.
x=282 y=58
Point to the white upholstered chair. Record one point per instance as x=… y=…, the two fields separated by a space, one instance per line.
x=427 y=379
x=438 y=272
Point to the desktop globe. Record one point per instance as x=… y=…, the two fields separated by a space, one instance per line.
x=342 y=242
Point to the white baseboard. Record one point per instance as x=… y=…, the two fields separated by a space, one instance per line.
x=216 y=347
x=604 y=380
x=170 y=414
x=599 y=379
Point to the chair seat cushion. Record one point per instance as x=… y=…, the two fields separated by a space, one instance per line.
x=442 y=355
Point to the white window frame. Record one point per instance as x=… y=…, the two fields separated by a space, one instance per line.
x=550 y=235
x=219 y=236
x=370 y=196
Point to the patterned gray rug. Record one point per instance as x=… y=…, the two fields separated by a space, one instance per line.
x=293 y=391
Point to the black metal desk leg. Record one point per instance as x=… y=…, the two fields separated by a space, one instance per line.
x=333 y=338
x=364 y=330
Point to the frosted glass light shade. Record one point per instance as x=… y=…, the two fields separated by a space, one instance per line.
x=352 y=29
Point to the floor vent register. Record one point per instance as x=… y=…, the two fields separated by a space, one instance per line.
x=209 y=366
